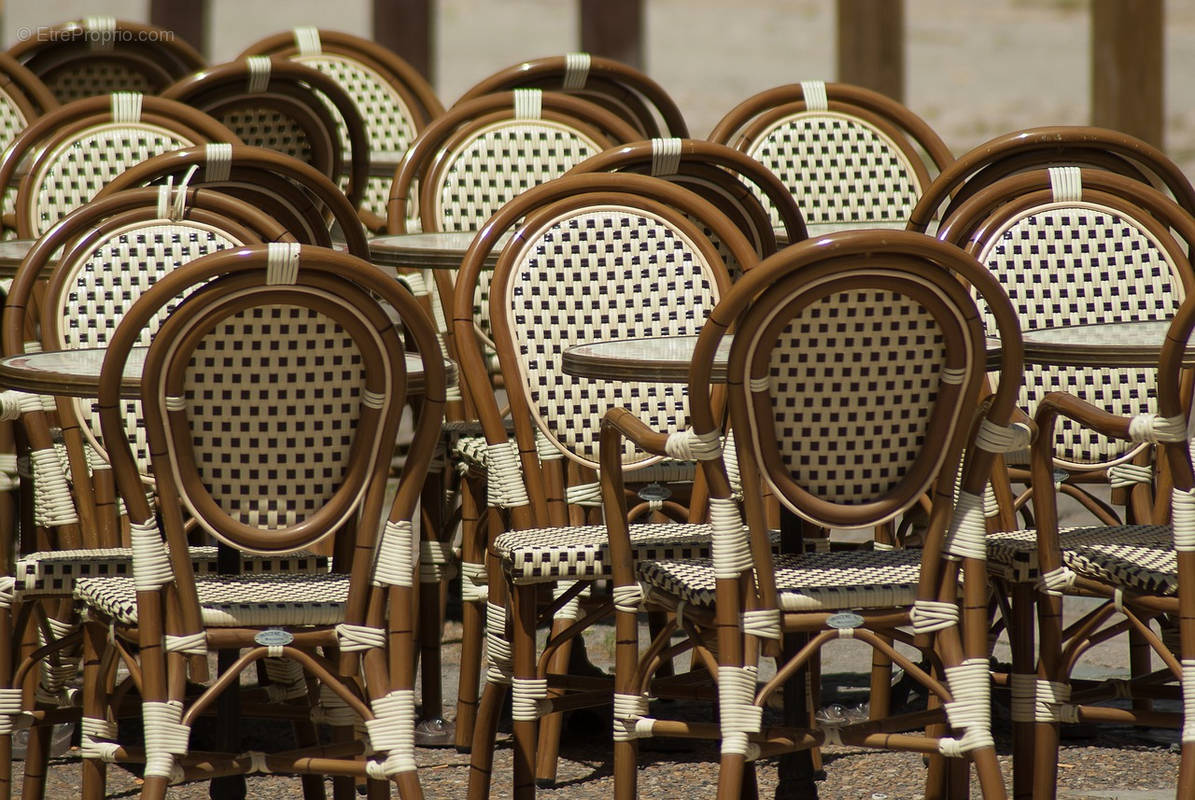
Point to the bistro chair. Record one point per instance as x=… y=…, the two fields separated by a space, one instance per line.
x=1050 y=146
x=76 y=149
x=23 y=98
x=851 y=157
x=306 y=202
x=75 y=526
x=583 y=231
x=1075 y=246
x=302 y=341
x=611 y=84
x=282 y=105
x=395 y=101
x=1143 y=572
x=101 y=55
x=852 y=383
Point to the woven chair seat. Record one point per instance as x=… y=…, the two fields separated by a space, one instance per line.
x=250 y=600
x=549 y=554
x=811 y=582
x=51 y=572
x=1136 y=557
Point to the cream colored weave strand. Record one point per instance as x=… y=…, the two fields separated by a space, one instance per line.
x=1182 y=510
x=815 y=95
x=474 y=582
x=218 y=161
x=763 y=623
x=393 y=730
x=282 y=263
x=506 y=489
x=527 y=698
x=1056 y=581
x=395 y=565
x=629 y=711
x=970 y=683
x=576 y=71
x=1003 y=439
x=1023 y=686
x=628 y=599
x=585 y=494
x=738 y=714
x=1153 y=428
x=1052 y=702
x=498 y=649
x=165 y=738
x=102 y=32
x=307 y=41
x=259 y=74
x=729 y=548
x=930 y=616
x=665 y=156
x=435 y=558
x=97 y=739
x=528 y=103
x=192 y=644
x=688 y=445
x=1123 y=476
x=358 y=638
x=151 y=565
x=967 y=537
x=53 y=504
x=1188 y=682
x=11 y=703
x=1066 y=184
x=126 y=107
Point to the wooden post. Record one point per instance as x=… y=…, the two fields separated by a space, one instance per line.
x=408 y=28
x=871 y=45
x=1127 y=88
x=613 y=29
x=188 y=20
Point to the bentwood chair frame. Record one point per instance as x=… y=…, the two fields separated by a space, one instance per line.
x=548 y=538
x=296 y=194
x=611 y=84
x=364 y=608
x=1049 y=146
x=816 y=296
x=25 y=98
x=282 y=105
x=1144 y=572
x=79 y=147
x=395 y=101
x=849 y=155
x=100 y=55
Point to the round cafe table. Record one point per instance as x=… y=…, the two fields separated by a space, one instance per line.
x=12 y=253
x=433 y=250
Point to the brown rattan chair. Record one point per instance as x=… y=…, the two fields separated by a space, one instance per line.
x=310 y=467
x=1143 y=573
x=611 y=84
x=1050 y=146
x=395 y=101
x=1075 y=246
x=101 y=55
x=281 y=105
x=23 y=98
x=73 y=151
x=541 y=475
x=306 y=202
x=105 y=254
x=842 y=417
x=850 y=156
x=728 y=178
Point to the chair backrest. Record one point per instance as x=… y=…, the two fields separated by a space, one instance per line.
x=273 y=398
x=101 y=55
x=73 y=152
x=481 y=154
x=1075 y=246
x=294 y=193
x=395 y=101
x=1049 y=146
x=728 y=178
x=105 y=255
x=23 y=98
x=611 y=84
x=285 y=106
x=850 y=156
x=599 y=255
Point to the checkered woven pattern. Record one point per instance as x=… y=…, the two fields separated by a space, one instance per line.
x=377 y=196
x=82 y=164
x=235 y=600
x=625 y=273
x=272 y=398
x=853 y=391
x=270 y=129
x=389 y=120
x=1068 y=264
x=96 y=299
x=51 y=572
x=86 y=78
x=547 y=554
x=12 y=121
x=839 y=168
x=1135 y=557
x=810 y=582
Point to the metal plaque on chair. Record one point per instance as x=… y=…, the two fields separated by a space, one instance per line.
x=844 y=620
x=273 y=637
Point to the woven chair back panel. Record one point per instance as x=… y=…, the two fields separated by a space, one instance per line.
x=609 y=273
x=389 y=120
x=502 y=161
x=81 y=79
x=81 y=165
x=853 y=392
x=377 y=198
x=272 y=396
x=1070 y=264
x=12 y=121
x=105 y=286
x=263 y=127
x=838 y=168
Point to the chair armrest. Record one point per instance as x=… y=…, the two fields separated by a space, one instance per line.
x=1081 y=411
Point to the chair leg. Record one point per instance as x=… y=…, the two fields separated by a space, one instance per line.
x=37 y=761
x=1020 y=638
x=485 y=731
x=1046 y=734
x=524 y=721
x=472 y=571
x=730 y=777
x=551 y=725
x=431 y=729
x=95 y=691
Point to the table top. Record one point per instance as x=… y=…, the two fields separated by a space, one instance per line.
x=430 y=250
x=1107 y=344
x=662 y=359
x=12 y=253
x=76 y=373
